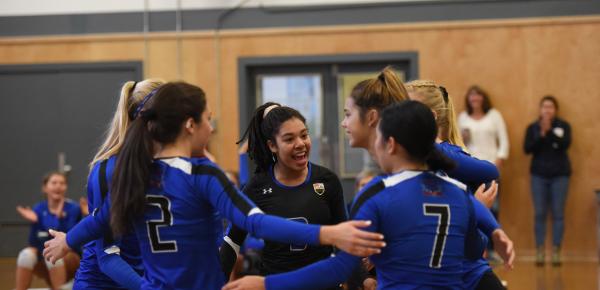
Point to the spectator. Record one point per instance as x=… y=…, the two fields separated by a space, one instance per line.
x=548 y=139
x=58 y=213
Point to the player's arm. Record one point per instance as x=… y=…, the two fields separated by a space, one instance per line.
x=485 y=220
x=242 y=212
x=91 y=227
x=230 y=249
x=469 y=169
x=111 y=264
x=323 y=274
x=88 y=229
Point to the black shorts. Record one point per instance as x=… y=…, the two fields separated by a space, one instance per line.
x=489 y=281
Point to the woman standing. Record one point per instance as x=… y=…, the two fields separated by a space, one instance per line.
x=548 y=139
x=483 y=128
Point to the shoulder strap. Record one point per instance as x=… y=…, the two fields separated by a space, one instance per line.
x=102 y=179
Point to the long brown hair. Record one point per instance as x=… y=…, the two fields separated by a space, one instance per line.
x=487 y=103
x=379 y=92
x=158 y=119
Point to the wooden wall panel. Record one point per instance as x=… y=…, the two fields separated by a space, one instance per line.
x=517 y=61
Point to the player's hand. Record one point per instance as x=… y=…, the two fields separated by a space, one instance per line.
x=348 y=237
x=83 y=204
x=504 y=247
x=56 y=248
x=246 y=283
x=370 y=284
x=487 y=197
x=27 y=213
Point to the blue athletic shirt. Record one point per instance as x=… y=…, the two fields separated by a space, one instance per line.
x=38 y=234
x=425 y=218
x=473 y=172
x=177 y=234
x=107 y=263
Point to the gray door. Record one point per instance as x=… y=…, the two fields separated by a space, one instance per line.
x=44 y=110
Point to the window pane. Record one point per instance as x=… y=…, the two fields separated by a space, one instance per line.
x=302 y=92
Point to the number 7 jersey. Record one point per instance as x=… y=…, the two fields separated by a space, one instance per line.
x=425 y=218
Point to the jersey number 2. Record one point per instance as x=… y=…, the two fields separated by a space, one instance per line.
x=442 y=211
x=164 y=204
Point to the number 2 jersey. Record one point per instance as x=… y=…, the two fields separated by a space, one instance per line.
x=425 y=218
x=178 y=233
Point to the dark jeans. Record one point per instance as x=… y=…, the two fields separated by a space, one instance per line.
x=549 y=192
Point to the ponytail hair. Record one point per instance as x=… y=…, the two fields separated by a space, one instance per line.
x=264 y=126
x=157 y=119
x=379 y=92
x=412 y=125
x=437 y=99
x=131 y=95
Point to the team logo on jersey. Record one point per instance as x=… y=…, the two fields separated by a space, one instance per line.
x=319 y=188
x=267 y=190
x=431 y=187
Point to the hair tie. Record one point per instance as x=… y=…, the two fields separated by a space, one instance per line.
x=136 y=113
x=444 y=94
x=269 y=109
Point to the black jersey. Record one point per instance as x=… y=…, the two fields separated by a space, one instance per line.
x=318 y=200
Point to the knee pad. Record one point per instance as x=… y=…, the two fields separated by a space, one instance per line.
x=27 y=259
x=58 y=263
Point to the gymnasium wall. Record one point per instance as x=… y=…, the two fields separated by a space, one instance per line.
x=517 y=61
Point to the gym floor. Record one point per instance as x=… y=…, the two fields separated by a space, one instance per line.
x=525 y=276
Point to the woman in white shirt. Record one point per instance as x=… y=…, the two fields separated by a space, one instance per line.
x=483 y=128
x=484 y=133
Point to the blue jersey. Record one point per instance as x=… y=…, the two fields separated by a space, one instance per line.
x=469 y=170
x=38 y=234
x=425 y=218
x=177 y=233
x=473 y=172
x=97 y=253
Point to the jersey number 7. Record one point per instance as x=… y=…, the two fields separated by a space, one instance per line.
x=164 y=204
x=442 y=211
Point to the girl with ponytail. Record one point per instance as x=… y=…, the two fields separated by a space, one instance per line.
x=362 y=110
x=107 y=263
x=286 y=184
x=174 y=201
x=478 y=273
x=411 y=205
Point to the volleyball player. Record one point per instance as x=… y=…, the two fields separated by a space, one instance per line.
x=108 y=263
x=170 y=199
x=425 y=216
x=362 y=110
x=478 y=274
x=56 y=212
x=286 y=184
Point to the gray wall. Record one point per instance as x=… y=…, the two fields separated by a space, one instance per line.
x=260 y=17
x=46 y=109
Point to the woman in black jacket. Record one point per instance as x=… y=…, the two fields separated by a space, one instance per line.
x=548 y=139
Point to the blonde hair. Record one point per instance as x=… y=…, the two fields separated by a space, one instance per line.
x=437 y=99
x=132 y=94
x=379 y=92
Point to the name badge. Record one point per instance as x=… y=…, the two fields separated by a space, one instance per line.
x=559 y=132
